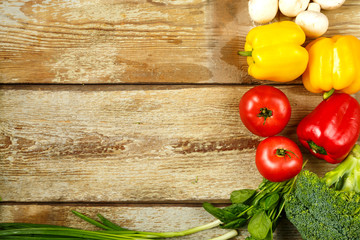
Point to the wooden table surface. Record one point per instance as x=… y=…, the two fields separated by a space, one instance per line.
x=130 y=109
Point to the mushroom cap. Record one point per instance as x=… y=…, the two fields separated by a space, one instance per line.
x=330 y=4
x=263 y=11
x=291 y=8
x=313 y=23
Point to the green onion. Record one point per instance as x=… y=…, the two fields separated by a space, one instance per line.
x=111 y=231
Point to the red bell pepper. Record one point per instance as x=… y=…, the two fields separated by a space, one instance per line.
x=331 y=130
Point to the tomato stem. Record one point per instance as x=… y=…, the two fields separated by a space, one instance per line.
x=265 y=113
x=283 y=152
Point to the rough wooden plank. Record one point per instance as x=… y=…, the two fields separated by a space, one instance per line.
x=130 y=143
x=79 y=41
x=107 y=41
x=139 y=217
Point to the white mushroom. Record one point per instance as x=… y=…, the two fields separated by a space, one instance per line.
x=330 y=4
x=312 y=21
x=292 y=8
x=263 y=11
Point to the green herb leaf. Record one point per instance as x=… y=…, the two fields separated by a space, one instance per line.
x=241 y=196
x=221 y=214
x=254 y=210
x=237 y=208
x=260 y=225
x=261 y=195
x=270 y=235
x=250 y=238
x=235 y=224
x=270 y=201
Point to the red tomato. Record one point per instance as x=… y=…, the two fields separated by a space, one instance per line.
x=278 y=159
x=265 y=110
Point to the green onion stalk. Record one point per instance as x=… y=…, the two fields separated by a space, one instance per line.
x=110 y=231
x=258 y=209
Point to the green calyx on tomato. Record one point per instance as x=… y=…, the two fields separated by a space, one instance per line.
x=283 y=152
x=265 y=113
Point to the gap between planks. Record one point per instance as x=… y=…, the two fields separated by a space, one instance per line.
x=218 y=203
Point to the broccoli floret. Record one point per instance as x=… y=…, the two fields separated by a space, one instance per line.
x=355 y=228
x=308 y=226
x=333 y=201
x=331 y=207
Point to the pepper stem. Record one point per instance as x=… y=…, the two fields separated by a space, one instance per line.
x=316 y=149
x=265 y=113
x=328 y=94
x=245 y=53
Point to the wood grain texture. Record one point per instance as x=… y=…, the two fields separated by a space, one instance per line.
x=144 y=217
x=130 y=143
x=140 y=41
x=138 y=115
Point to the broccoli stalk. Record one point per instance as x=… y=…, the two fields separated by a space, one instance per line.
x=346 y=176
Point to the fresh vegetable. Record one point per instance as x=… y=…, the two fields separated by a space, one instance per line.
x=262 y=11
x=346 y=176
x=259 y=209
x=110 y=231
x=291 y=8
x=330 y=131
x=274 y=52
x=328 y=207
x=330 y=4
x=312 y=21
x=278 y=158
x=265 y=110
x=340 y=71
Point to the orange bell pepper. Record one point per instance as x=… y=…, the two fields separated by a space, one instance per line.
x=334 y=63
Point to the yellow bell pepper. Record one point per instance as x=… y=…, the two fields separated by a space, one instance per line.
x=334 y=63
x=275 y=53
